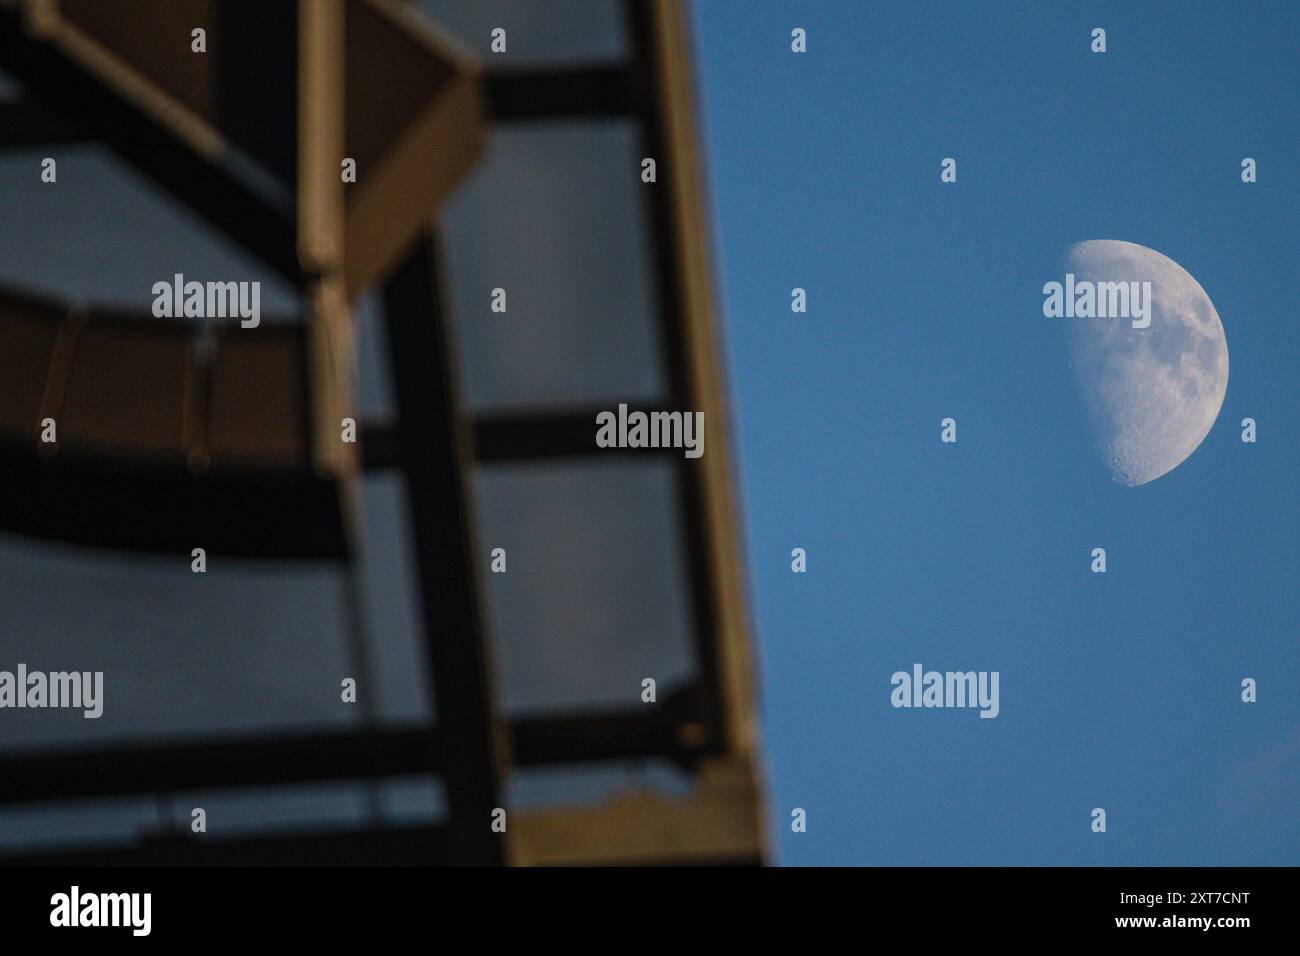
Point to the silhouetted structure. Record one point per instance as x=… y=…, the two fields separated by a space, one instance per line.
x=240 y=449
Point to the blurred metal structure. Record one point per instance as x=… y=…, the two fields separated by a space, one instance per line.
x=241 y=450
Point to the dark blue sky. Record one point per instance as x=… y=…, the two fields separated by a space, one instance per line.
x=1120 y=690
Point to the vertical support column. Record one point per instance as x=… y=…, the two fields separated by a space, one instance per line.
x=683 y=260
x=320 y=134
x=320 y=229
x=434 y=445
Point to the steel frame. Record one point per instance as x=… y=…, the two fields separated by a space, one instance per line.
x=705 y=728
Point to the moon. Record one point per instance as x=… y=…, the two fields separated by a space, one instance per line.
x=1151 y=394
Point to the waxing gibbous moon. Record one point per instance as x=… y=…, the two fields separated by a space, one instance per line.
x=1152 y=394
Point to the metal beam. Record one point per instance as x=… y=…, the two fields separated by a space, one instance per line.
x=514 y=436
x=390 y=846
x=435 y=448
x=683 y=261
x=600 y=90
x=23 y=122
x=242 y=518
x=164 y=444
x=535 y=435
x=589 y=92
x=76 y=774
x=668 y=731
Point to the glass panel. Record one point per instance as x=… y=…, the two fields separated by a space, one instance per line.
x=555 y=216
x=595 y=595
x=83 y=825
x=390 y=603
x=244 y=647
x=105 y=234
x=241 y=647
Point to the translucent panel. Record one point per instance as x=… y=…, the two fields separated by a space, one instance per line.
x=390 y=603
x=276 y=810
x=535 y=31
x=82 y=824
x=246 y=646
x=414 y=800
x=232 y=814
x=243 y=646
x=595 y=596
x=105 y=234
x=556 y=216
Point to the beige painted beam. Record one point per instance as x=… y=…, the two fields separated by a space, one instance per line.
x=720 y=821
x=682 y=177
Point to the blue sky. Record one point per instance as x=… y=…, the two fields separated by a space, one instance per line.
x=1120 y=690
